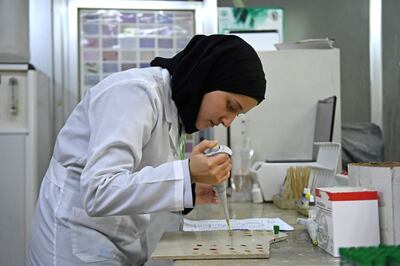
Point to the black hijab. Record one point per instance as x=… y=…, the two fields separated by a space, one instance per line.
x=210 y=63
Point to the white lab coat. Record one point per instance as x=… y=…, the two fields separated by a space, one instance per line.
x=114 y=162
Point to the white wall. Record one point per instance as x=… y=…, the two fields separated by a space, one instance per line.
x=282 y=127
x=345 y=21
x=41 y=54
x=40 y=35
x=391 y=78
x=14 y=40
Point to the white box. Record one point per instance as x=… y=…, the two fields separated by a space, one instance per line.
x=347 y=217
x=385 y=178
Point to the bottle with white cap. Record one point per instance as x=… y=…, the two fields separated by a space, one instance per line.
x=311 y=208
x=256 y=194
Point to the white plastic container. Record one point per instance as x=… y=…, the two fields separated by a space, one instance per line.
x=256 y=194
x=270 y=175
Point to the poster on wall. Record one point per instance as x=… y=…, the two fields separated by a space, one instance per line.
x=261 y=27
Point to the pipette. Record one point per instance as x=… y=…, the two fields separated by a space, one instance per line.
x=221 y=188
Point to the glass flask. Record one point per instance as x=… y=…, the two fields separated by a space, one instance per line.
x=241 y=179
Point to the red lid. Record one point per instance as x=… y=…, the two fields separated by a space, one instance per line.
x=347 y=193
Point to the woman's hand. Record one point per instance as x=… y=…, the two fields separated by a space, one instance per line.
x=209 y=170
x=205 y=194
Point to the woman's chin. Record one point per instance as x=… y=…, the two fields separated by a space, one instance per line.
x=201 y=127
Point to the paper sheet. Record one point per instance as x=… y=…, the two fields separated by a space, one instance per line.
x=236 y=224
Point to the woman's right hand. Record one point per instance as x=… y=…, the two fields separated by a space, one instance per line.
x=209 y=170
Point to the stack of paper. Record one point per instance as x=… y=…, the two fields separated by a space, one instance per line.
x=236 y=224
x=325 y=43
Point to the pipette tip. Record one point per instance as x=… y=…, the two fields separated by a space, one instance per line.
x=229 y=227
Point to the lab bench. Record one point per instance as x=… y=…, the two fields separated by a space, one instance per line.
x=296 y=250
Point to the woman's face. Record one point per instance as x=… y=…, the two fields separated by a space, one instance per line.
x=220 y=107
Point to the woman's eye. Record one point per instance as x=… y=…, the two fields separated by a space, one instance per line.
x=231 y=108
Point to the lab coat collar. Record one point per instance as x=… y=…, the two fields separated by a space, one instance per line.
x=170 y=110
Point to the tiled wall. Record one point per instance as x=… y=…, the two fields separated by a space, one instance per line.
x=116 y=40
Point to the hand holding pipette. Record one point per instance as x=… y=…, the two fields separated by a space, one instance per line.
x=221 y=188
x=210 y=170
x=214 y=170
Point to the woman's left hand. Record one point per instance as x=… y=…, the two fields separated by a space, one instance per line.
x=205 y=194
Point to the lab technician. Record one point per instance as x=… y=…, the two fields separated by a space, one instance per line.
x=116 y=160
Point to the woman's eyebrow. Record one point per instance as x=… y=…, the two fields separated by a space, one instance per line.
x=240 y=106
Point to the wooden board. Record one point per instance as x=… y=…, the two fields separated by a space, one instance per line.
x=215 y=245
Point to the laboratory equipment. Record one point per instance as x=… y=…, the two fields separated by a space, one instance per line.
x=221 y=188
x=271 y=176
x=242 y=244
x=241 y=179
x=276 y=229
x=364 y=256
x=25 y=142
x=312 y=228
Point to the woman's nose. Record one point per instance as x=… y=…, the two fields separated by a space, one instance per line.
x=228 y=119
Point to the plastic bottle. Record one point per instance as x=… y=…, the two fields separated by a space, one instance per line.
x=312 y=209
x=256 y=194
x=312 y=228
x=305 y=197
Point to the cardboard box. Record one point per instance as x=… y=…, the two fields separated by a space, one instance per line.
x=385 y=177
x=347 y=217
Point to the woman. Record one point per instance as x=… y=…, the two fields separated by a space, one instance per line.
x=116 y=159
